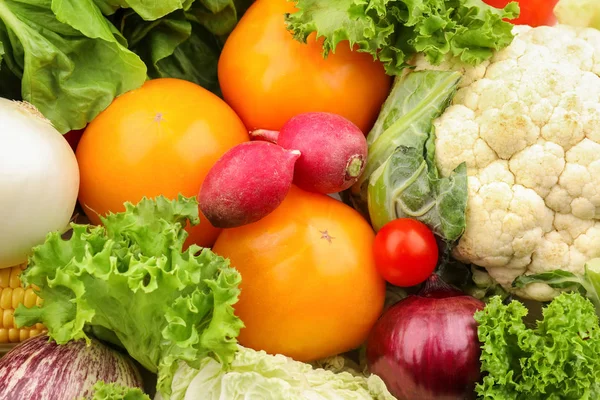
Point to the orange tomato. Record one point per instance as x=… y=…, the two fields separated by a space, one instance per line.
x=309 y=287
x=268 y=77
x=160 y=139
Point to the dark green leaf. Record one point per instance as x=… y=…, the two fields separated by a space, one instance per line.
x=148 y=10
x=72 y=64
x=174 y=47
x=185 y=44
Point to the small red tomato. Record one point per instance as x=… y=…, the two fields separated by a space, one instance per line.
x=406 y=252
x=533 y=12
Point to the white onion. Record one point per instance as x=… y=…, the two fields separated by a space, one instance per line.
x=39 y=181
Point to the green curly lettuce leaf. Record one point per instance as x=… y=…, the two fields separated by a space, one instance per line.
x=70 y=61
x=395 y=30
x=114 y=391
x=130 y=283
x=555 y=360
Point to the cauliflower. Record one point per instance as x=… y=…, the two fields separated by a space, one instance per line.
x=584 y=13
x=527 y=123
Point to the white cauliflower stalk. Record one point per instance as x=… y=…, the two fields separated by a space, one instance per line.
x=527 y=123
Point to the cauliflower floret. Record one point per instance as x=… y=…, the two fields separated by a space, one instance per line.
x=527 y=124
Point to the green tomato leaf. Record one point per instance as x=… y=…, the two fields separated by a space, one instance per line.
x=131 y=283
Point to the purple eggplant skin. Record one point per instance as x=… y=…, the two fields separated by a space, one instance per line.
x=39 y=369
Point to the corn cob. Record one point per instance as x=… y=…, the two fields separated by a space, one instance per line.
x=11 y=295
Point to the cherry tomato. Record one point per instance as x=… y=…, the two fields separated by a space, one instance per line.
x=309 y=287
x=268 y=77
x=406 y=252
x=533 y=12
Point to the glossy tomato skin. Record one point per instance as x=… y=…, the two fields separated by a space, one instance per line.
x=268 y=77
x=405 y=252
x=533 y=12
x=309 y=287
x=160 y=139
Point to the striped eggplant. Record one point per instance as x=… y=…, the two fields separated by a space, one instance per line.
x=39 y=369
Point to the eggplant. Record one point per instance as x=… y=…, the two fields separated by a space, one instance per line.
x=40 y=369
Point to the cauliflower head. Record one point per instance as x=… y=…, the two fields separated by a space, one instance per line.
x=527 y=123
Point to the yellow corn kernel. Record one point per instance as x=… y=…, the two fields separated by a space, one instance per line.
x=5 y=277
x=8 y=319
x=6 y=298
x=18 y=295
x=24 y=334
x=13 y=335
x=30 y=298
x=15 y=282
x=11 y=295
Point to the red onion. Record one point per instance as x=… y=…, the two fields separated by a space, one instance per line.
x=425 y=346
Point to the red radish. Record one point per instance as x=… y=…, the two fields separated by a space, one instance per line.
x=247 y=183
x=334 y=150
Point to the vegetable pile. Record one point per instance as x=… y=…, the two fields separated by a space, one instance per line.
x=360 y=199
x=526 y=125
x=131 y=284
x=90 y=52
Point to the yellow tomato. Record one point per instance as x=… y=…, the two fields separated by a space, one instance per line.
x=268 y=77
x=161 y=139
x=309 y=287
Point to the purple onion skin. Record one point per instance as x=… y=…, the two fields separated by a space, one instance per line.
x=41 y=370
x=425 y=347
